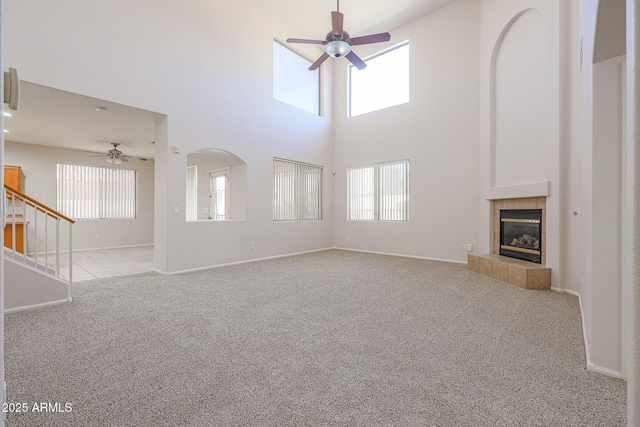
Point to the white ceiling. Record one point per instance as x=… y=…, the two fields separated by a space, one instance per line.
x=312 y=18
x=53 y=117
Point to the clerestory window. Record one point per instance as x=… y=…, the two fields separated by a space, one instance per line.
x=384 y=83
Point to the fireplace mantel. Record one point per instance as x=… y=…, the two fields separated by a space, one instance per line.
x=536 y=189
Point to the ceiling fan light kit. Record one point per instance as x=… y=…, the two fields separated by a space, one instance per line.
x=338 y=48
x=338 y=42
x=116 y=156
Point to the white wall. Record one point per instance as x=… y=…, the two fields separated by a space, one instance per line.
x=602 y=187
x=437 y=131
x=520 y=111
x=208 y=67
x=606 y=213
x=38 y=165
x=631 y=288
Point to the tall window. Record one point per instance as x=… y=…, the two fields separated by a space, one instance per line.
x=297 y=192
x=384 y=83
x=379 y=192
x=293 y=82
x=192 y=193
x=219 y=194
x=88 y=192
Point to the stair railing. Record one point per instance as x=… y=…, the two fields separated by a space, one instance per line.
x=18 y=220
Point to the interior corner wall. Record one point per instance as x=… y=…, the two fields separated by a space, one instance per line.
x=159 y=56
x=570 y=150
x=437 y=130
x=606 y=216
x=602 y=189
x=632 y=288
x=520 y=110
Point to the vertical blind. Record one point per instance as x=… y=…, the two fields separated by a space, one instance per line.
x=191 y=210
x=89 y=192
x=297 y=192
x=379 y=192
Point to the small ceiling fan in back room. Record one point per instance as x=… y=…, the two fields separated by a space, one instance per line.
x=338 y=42
x=116 y=156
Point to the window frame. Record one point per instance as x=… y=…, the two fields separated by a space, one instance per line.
x=288 y=203
x=351 y=68
x=213 y=199
x=191 y=210
x=319 y=107
x=103 y=196
x=376 y=187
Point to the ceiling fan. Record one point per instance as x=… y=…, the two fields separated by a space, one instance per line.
x=116 y=156
x=338 y=42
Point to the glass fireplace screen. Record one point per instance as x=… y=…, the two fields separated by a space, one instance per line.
x=521 y=234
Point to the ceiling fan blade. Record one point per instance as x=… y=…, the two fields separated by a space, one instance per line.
x=337 y=23
x=134 y=158
x=305 y=41
x=319 y=62
x=355 y=60
x=373 y=38
x=123 y=158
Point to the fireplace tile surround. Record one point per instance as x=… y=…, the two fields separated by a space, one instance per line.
x=520 y=273
x=520 y=203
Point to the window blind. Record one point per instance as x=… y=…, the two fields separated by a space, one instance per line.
x=89 y=192
x=379 y=192
x=297 y=191
x=191 y=210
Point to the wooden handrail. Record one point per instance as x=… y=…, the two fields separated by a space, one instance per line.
x=40 y=206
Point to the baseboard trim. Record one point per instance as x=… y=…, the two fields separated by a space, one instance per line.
x=112 y=247
x=401 y=255
x=209 y=267
x=66 y=251
x=604 y=371
x=590 y=365
x=34 y=306
x=567 y=291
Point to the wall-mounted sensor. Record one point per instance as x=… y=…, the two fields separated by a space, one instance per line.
x=12 y=88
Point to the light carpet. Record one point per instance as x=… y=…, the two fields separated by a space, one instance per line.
x=332 y=338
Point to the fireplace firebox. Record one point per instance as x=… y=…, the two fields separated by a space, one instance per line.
x=521 y=234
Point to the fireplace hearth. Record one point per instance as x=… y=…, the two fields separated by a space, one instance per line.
x=521 y=234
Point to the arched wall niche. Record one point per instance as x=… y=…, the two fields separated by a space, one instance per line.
x=216 y=186
x=520 y=143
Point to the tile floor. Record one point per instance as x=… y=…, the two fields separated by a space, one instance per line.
x=101 y=263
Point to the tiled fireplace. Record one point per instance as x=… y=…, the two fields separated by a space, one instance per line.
x=519 y=237
x=528 y=203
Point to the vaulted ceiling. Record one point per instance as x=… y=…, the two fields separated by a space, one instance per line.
x=361 y=16
x=56 y=118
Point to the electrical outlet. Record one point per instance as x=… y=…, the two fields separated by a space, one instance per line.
x=348 y=237
x=97 y=237
x=253 y=245
x=469 y=247
x=463 y=247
